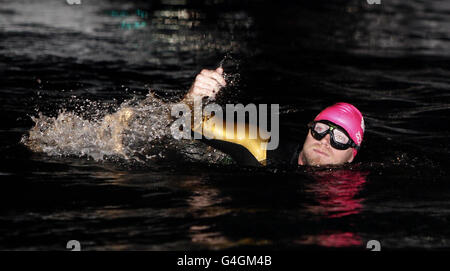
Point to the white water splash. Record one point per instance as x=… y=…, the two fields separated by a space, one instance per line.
x=137 y=130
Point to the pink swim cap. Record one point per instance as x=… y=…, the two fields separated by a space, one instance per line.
x=348 y=117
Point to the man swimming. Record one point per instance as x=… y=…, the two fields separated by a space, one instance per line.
x=334 y=136
x=147 y=131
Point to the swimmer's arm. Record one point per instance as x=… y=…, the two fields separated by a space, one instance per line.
x=207 y=84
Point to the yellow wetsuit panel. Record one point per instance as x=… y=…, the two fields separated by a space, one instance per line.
x=256 y=145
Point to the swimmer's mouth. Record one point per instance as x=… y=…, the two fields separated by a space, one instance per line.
x=319 y=152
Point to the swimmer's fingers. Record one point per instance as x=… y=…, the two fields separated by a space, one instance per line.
x=213 y=89
x=207 y=82
x=216 y=75
x=198 y=91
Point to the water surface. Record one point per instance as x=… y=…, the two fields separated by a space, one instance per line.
x=390 y=60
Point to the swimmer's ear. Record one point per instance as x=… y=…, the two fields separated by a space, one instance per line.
x=351 y=158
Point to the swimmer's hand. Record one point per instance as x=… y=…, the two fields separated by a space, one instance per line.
x=207 y=84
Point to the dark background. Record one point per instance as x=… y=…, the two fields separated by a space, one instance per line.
x=390 y=60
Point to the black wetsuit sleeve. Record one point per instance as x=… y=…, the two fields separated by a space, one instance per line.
x=286 y=154
x=239 y=153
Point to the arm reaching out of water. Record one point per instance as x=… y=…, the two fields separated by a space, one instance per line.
x=246 y=151
x=207 y=84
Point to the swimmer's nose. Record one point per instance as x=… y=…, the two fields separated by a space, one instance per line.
x=326 y=140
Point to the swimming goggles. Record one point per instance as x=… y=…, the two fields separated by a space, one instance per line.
x=339 y=138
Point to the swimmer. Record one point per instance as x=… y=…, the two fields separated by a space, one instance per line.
x=334 y=136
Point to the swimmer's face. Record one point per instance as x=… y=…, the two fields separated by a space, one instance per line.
x=320 y=153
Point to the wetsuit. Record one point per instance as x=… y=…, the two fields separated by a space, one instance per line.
x=245 y=151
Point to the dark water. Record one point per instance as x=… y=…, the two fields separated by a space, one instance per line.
x=391 y=60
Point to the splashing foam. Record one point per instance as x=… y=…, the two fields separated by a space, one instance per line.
x=138 y=131
x=114 y=134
